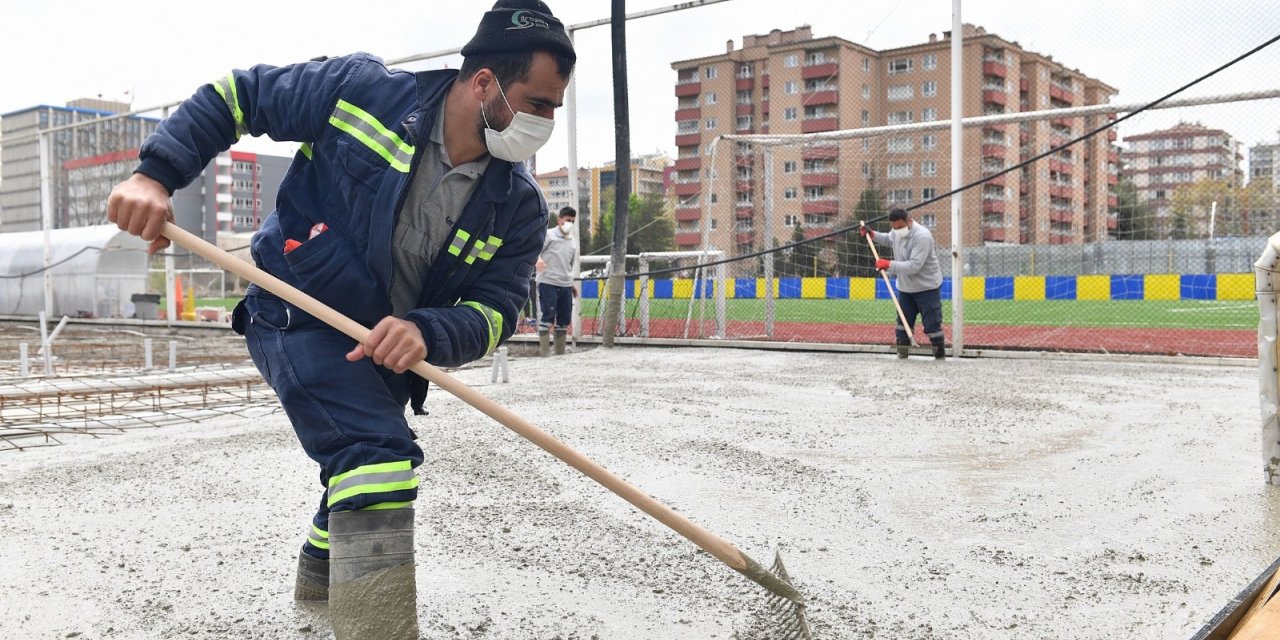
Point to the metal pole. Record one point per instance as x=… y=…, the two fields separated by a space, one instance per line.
x=768 y=242
x=24 y=360
x=571 y=117
x=721 y=315
x=173 y=355
x=146 y=353
x=643 y=294
x=957 y=179
x=44 y=344
x=46 y=221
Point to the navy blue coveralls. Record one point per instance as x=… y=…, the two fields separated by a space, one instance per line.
x=359 y=123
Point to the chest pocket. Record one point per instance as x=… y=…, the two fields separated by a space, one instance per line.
x=372 y=157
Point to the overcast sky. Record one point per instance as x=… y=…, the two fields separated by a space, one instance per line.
x=52 y=52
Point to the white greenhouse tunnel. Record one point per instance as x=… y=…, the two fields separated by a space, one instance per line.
x=96 y=271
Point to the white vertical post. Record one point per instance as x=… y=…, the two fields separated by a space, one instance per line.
x=571 y=117
x=768 y=242
x=146 y=353
x=46 y=221
x=643 y=292
x=721 y=312
x=957 y=179
x=24 y=360
x=44 y=344
x=173 y=355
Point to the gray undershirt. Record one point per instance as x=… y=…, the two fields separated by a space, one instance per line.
x=436 y=197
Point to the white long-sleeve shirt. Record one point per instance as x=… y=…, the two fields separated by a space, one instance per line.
x=915 y=262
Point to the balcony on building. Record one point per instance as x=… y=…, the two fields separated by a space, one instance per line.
x=686 y=214
x=746 y=237
x=764 y=80
x=820 y=70
x=820 y=152
x=1024 y=85
x=1113 y=156
x=1112 y=179
x=688 y=164
x=688 y=87
x=821 y=97
x=744 y=186
x=992 y=206
x=821 y=178
x=995 y=97
x=1060 y=191
x=744 y=212
x=814 y=230
x=994 y=128
x=821 y=204
x=684 y=189
x=816 y=125
x=1111 y=135
x=997 y=181
x=1024 y=212
x=1059 y=166
x=1056 y=215
x=993 y=150
x=993 y=234
x=1062 y=94
x=1113 y=201
x=743 y=109
x=688 y=139
x=994 y=67
x=746 y=83
x=1061 y=122
x=688 y=238
x=688 y=113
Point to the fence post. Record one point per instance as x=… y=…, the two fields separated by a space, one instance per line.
x=643 y=293
x=24 y=360
x=173 y=355
x=146 y=353
x=768 y=242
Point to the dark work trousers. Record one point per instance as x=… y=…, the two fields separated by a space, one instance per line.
x=928 y=305
x=557 y=306
x=348 y=416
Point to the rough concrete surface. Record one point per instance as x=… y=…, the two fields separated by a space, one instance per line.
x=988 y=498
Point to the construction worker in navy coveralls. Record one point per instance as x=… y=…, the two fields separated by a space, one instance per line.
x=919 y=279
x=408 y=209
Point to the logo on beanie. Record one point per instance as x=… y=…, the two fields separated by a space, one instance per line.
x=524 y=19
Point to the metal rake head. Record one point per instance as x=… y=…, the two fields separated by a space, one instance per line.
x=787 y=620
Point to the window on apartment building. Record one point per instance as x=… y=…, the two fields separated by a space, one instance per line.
x=898 y=170
x=929 y=89
x=813 y=193
x=744 y=71
x=899 y=117
x=791 y=60
x=929 y=142
x=713 y=224
x=898 y=196
x=866 y=92
x=744 y=197
x=929 y=168
x=928 y=194
x=791 y=87
x=901 y=65
x=744 y=122
x=928 y=115
x=900 y=92
x=866 y=169
x=789 y=166
x=900 y=144
x=929 y=61
x=866 y=117
x=790 y=113
x=709 y=73
x=866 y=64
x=744 y=97
x=711 y=123
x=711 y=98
x=789 y=193
x=790 y=219
x=714 y=199
x=929 y=220
x=815 y=57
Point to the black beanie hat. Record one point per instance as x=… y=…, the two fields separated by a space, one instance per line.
x=517 y=26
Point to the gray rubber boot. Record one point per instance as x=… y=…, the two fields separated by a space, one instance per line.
x=902 y=351
x=544 y=343
x=372 y=589
x=939 y=352
x=560 y=337
x=313 y=578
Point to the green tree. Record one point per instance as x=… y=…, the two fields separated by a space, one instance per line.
x=1135 y=219
x=650 y=224
x=852 y=256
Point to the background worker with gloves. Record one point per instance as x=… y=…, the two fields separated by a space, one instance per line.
x=431 y=227
x=915 y=265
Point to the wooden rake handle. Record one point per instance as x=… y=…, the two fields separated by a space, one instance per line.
x=709 y=542
x=901 y=316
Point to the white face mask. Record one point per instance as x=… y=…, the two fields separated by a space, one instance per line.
x=521 y=139
x=901 y=233
x=566 y=228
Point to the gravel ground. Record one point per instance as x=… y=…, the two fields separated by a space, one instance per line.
x=986 y=498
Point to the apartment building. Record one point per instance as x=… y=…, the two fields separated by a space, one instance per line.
x=85 y=162
x=1264 y=163
x=1158 y=162
x=649 y=176
x=558 y=194
x=789 y=82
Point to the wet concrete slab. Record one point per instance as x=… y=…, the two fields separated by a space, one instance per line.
x=988 y=498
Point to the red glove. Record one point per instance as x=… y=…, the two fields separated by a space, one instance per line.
x=866 y=233
x=882 y=264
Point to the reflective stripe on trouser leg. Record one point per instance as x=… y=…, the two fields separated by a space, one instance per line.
x=373 y=480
